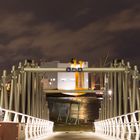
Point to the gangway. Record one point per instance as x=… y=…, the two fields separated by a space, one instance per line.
x=119 y=113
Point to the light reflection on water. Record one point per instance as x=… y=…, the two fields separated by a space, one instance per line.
x=88 y=107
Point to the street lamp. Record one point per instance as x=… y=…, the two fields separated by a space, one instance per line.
x=110 y=92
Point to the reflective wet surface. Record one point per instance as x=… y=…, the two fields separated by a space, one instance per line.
x=88 y=107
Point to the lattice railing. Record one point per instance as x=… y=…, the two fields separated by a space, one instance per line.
x=34 y=127
x=122 y=127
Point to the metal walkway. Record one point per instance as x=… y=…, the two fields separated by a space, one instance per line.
x=76 y=136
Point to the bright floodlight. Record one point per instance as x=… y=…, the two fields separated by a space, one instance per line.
x=110 y=92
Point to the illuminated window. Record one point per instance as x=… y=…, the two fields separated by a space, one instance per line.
x=63 y=79
x=72 y=79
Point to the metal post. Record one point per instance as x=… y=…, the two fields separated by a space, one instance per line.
x=11 y=95
x=14 y=76
x=120 y=91
x=108 y=106
x=69 y=113
x=111 y=96
x=4 y=99
x=108 y=103
x=134 y=89
x=137 y=89
x=13 y=91
x=33 y=94
x=105 y=102
x=33 y=90
x=106 y=95
x=130 y=92
x=29 y=93
x=130 y=82
x=40 y=96
x=126 y=92
x=37 y=96
x=115 y=91
x=47 y=111
x=18 y=91
x=77 y=119
x=101 y=110
x=100 y=114
x=1 y=99
x=138 y=96
x=23 y=89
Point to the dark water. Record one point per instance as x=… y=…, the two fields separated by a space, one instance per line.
x=88 y=107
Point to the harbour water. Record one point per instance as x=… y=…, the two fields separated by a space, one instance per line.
x=83 y=108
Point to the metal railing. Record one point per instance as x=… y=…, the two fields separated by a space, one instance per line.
x=34 y=127
x=122 y=127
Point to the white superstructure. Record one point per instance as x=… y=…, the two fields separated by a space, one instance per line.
x=64 y=80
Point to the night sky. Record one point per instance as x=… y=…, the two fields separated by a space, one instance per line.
x=63 y=29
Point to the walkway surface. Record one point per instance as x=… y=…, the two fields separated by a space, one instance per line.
x=76 y=136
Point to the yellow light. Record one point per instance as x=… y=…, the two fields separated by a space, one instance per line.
x=74 y=94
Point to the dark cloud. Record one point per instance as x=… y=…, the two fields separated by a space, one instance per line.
x=60 y=30
x=68 y=12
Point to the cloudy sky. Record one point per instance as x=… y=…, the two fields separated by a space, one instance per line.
x=63 y=29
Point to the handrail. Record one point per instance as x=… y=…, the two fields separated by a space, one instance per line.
x=34 y=127
x=126 y=126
